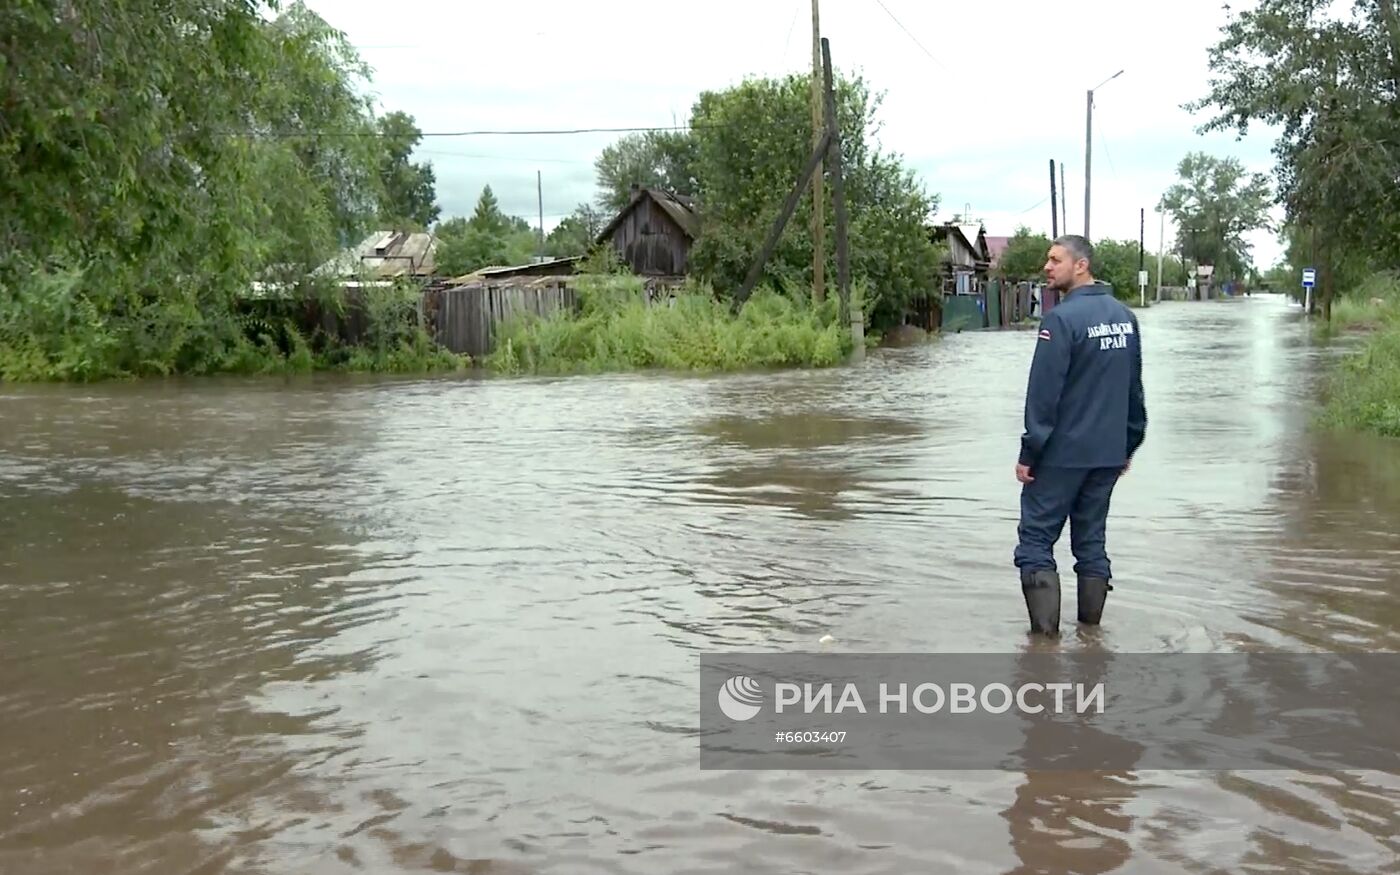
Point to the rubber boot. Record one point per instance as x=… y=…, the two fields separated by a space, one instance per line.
x=1092 y=593
x=1042 y=592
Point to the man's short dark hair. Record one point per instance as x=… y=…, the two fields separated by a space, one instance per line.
x=1079 y=247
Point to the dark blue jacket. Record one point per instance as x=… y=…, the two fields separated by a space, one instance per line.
x=1084 y=402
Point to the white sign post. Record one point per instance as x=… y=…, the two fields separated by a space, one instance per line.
x=1309 y=280
x=1142 y=286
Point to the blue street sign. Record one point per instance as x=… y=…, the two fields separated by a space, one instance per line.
x=1309 y=277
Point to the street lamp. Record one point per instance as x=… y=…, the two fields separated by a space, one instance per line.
x=1088 y=145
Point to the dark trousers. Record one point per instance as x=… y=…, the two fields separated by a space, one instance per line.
x=1080 y=495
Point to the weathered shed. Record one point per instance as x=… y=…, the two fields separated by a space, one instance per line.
x=654 y=232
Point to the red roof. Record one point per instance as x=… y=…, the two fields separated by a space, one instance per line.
x=996 y=246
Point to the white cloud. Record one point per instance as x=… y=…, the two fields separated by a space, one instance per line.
x=1003 y=92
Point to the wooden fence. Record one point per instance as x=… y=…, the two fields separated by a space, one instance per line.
x=998 y=305
x=465 y=319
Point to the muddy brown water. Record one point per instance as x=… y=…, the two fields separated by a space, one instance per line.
x=334 y=625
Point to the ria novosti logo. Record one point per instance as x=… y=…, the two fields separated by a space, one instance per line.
x=740 y=698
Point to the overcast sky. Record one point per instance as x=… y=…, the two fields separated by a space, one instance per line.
x=978 y=96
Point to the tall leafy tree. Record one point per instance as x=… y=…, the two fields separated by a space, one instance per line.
x=652 y=159
x=1025 y=256
x=410 y=196
x=751 y=143
x=1328 y=78
x=157 y=160
x=575 y=234
x=1214 y=205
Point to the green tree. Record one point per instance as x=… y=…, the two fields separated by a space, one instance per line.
x=752 y=141
x=653 y=159
x=409 y=199
x=157 y=160
x=1116 y=263
x=575 y=234
x=1025 y=256
x=488 y=239
x=1214 y=205
x=1329 y=80
x=488 y=216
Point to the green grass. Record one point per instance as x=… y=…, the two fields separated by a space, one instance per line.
x=1363 y=393
x=616 y=330
x=1370 y=305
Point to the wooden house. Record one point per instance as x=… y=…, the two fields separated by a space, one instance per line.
x=967 y=260
x=653 y=234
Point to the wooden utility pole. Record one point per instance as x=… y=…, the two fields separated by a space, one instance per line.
x=1054 y=205
x=1161 y=242
x=1142 y=254
x=1088 y=156
x=539 y=188
x=1064 y=200
x=789 y=207
x=818 y=196
x=838 y=194
x=829 y=148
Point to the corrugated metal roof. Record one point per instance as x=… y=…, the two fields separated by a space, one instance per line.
x=385 y=254
x=553 y=267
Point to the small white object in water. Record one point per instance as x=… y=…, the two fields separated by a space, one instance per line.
x=826 y=639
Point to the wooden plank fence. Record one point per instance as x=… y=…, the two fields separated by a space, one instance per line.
x=467 y=318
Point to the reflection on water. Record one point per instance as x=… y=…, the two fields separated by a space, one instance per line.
x=336 y=625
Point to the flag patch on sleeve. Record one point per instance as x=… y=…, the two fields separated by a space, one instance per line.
x=1045 y=334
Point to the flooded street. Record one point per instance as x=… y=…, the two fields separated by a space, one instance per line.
x=333 y=625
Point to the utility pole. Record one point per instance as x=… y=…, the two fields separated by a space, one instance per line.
x=539 y=187
x=818 y=131
x=1054 y=206
x=853 y=316
x=1161 y=242
x=1142 y=280
x=1088 y=145
x=1064 y=200
x=1088 y=158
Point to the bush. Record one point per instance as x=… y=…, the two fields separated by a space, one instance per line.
x=60 y=324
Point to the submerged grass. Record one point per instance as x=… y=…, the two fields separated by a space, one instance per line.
x=617 y=330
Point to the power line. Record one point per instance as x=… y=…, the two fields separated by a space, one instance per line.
x=1036 y=207
x=489 y=133
x=911 y=36
x=1103 y=141
x=792 y=25
x=501 y=157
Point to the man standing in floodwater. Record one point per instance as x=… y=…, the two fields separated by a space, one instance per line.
x=1085 y=418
